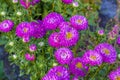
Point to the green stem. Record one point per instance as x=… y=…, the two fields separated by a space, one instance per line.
x=97 y=71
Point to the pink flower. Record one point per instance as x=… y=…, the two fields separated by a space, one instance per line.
x=29 y=57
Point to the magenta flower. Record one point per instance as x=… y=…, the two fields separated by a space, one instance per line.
x=52 y=20
x=6 y=25
x=29 y=57
x=25 y=3
x=39 y=30
x=61 y=72
x=101 y=32
x=107 y=51
x=50 y=77
x=115 y=75
x=75 y=78
x=92 y=57
x=32 y=47
x=33 y=2
x=26 y=39
x=24 y=29
x=118 y=40
x=54 y=40
x=79 y=22
x=63 y=55
x=78 y=68
x=69 y=36
x=67 y=1
x=63 y=24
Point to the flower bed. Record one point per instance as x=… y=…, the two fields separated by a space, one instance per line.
x=60 y=39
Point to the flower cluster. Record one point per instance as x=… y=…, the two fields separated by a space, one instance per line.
x=64 y=34
x=68 y=34
x=26 y=30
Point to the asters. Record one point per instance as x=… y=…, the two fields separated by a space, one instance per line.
x=101 y=32
x=69 y=36
x=52 y=20
x=57 y=73
x=67 y=1
x=33 y=2
x=29 y=57
x=64 y=55
x=39 y=30
x=63 y=24
x=6 y=25
x=78 y=68
x=79 y=22
x=92 y=57
x=26 y=3
x=115 y=75
x=54 y=40
x=50 y=77
x=107 y=51
x=24 y=29
x=118 y=40
x=32 y=47
x=61 y=72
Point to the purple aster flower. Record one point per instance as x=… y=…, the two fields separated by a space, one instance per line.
x=92 y=57
x=24 y=29
x=29 y=57
x=75 y=78
x=67 y=1
x=78 y=68
x=52 y=20
x=6 y=25
x=115 y=75
x=39 y=30
x=50 y=77
x=39 y=21
x=79 y=22
x=118 y=40
x=26 y=39
x=63 y=55
x=107 y=51
x=63 y=24
x=33 y=2
x=32 y=47
x=101 y=32
x=69 y=36
x=75 y=4
x=61 y=72
x=54 y=40
x=25 y=3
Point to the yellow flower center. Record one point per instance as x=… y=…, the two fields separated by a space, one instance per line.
x=25 y=30
x=117 y=78
x=106 y=51
x=69 y=35
x=93 y=57
x=79 y=65
x=59 y=73
x=79 y=21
